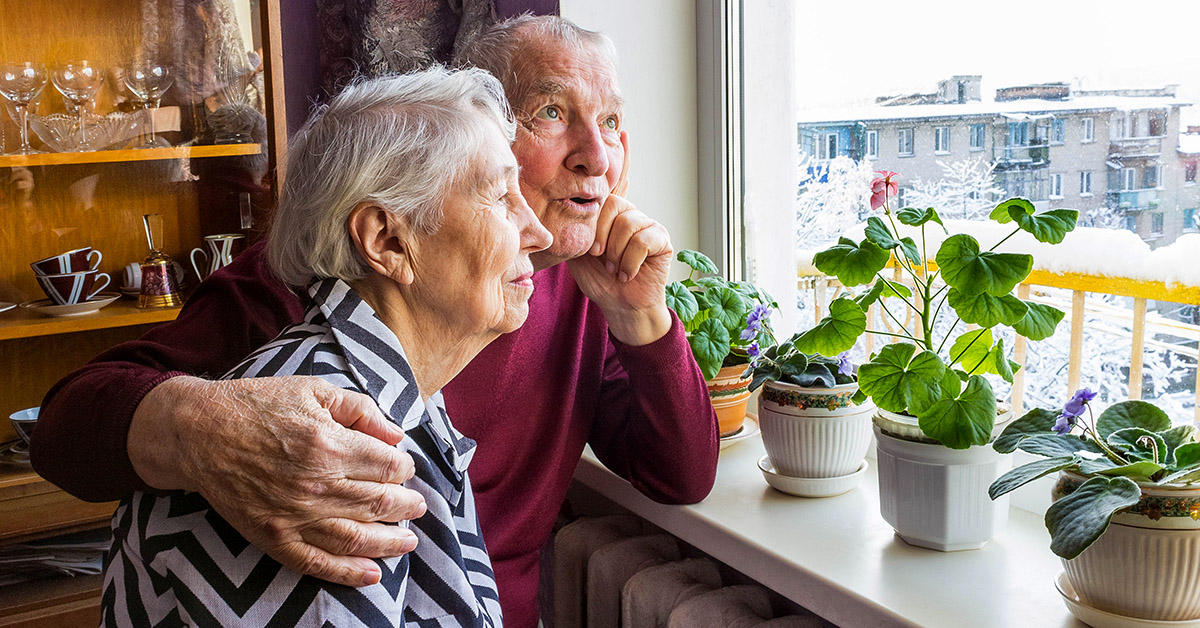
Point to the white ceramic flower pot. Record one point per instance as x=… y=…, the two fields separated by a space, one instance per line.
x=814 y=432
x=1146 y=565
x=937 y=497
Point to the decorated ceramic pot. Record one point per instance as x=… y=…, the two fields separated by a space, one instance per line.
x=814 y=432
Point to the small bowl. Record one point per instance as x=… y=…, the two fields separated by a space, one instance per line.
x=810 y=487
x=23 y=422
x=61 y=135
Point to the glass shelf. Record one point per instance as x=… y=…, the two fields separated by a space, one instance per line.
x=130 y=154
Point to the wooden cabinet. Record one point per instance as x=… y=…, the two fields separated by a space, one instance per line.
x=223 y=126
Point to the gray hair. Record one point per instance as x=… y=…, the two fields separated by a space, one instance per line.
x=498 y=48
x=399 y=142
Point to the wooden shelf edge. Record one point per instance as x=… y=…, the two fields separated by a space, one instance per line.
x=130 y=154
x=23 y=323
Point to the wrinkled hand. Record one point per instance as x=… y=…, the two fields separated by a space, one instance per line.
x=625 y=272
x=274 y=458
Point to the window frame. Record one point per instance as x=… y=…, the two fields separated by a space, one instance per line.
x=1055 y=185
x=1058 y=131
x=1085 y=183
x=872 y=140
x=941 y=140
x=1157 y=223
x=1087 y=130
x=1189 y=220
x=910 y=132
x=981 y=130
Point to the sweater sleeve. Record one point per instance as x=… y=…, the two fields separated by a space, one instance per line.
x=655 y=425
x=80 y=440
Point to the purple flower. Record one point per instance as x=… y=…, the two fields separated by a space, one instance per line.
x=844 y=366
x=754 y=321
x=1074 y=407
x=1063 y=424
x=753 y=351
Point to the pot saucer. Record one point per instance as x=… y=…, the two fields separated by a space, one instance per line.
x=50 y=308
x=15 y=453
x=810 y=487
x=1097 y=618
x=4 y=306
x=749 y=429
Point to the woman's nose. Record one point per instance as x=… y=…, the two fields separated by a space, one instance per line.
x=534 y=237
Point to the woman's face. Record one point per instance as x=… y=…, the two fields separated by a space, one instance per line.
x=476 y=267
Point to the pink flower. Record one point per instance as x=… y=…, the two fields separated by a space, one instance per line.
x=883 y=187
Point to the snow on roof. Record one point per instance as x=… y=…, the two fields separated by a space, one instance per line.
x=1189 y=143
x=988 y=108
x=1086 y=250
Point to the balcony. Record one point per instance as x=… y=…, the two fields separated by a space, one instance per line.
x=1133 y=200
x=1135 y=147
x=1022 y=157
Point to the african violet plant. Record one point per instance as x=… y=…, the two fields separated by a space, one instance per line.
x=1131 y=440
x=726 y=321
x=785 y=363
x=944 y=389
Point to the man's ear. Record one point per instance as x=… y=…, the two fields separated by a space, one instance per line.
x=383 y=240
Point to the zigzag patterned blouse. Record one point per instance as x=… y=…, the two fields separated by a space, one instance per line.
x=175 y=562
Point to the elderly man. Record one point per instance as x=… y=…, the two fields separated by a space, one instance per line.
x=600 y=361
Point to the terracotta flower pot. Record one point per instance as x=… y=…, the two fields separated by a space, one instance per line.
x=729 y=392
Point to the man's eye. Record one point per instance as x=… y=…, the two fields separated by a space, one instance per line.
x=549 y=113
x=610 y=123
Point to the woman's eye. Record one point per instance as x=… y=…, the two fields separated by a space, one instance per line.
x=549 y=113
x=610 y=123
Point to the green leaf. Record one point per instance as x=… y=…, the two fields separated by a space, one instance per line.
x=764 y=375
x=898 y=381
x=999 y=362
x=1036 y=421
x=1050 y=227
x=963 y=421
x=971 y=347
x=1039 y=321
x=1096 y=465
x=1132 y=413
x=951 y=385
x=879 y=233
x=909 y=246
x=710 y=283
x=1190 y=474
x=727 y=306
x=882 y=290
x=698 y=261
x=1003 y=212
x=1139 y=443
x=964 y=267
x=1187 y=455
x=1027 y=473
x=817 y=375
x=914 y=217
x=1052 y=445
x=986 y=310
x=1176 y=436
x=1140 y=469
x=859 y=397
x=853 y=264
x=1078 y=519
x=837 y=332
x=710 y=345
x=682 y=301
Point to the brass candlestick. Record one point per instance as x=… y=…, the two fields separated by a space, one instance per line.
x=158 y=275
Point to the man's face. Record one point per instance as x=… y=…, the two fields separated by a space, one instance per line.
x=568 y=142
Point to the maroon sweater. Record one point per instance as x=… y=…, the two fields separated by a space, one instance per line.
x=532 y=400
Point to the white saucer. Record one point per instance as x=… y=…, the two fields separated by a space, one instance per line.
x=1097 y=618
x=5 y=306
x=130 y=292
x=14 y=453
x=49 y=308
x=809 y=487
x=749 y=429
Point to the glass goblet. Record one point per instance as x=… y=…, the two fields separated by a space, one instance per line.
x=21 y=83
x=148 y=80
x=78 y=82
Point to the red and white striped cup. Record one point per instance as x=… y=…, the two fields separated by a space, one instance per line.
x=75 y=261
x=72 y=288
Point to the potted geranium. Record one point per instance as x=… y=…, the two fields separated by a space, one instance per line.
x=725 y=322
x=811 y=426
x=1126 y=515
x=937 y=411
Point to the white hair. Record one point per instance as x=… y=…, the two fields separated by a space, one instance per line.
x=399 y=142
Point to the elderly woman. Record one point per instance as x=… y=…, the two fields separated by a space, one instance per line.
x=402 y=214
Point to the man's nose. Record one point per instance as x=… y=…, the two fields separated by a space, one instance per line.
x=588 y=153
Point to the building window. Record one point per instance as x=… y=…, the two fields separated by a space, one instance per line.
x=1018 y=134
x=1085 y=184
x=1156 y=223
x=941 y=139
x=829 y=146
x=873 y=144
x=1088 y=130
x=905 y=146
x=1189 y=219
x=1189 y=172
x=1131 y=222
x=1056 y=186
x=1150 y=177
x=977 y=136
x=1058 y=132
x=1127 y=177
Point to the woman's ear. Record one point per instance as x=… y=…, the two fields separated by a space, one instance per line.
x=383 y=241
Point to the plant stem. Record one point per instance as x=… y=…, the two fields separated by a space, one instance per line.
x=1015 y=232
x=964 y=351
x=889 y=312
x=888 y=333
x=948 y=334
x=1112 y=455
x=893 y=287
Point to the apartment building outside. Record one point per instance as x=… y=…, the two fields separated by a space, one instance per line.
x=1117 y=155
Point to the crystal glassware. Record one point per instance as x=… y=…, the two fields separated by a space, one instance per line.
x=21 y=83
x=78 y=82
x=148 y=80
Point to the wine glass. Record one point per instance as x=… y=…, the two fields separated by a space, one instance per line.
x=21 y=83
x=148 y=80
x=78 y=82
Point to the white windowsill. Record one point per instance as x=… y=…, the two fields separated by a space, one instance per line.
x=837 y=557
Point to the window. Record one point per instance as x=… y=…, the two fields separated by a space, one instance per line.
x=1018 y=134
x=977 y=135
x=1189 y=172
x=1085 y=183
x=1041 y=135
x=829 y=146
x=1156 y=223
x=941 y=139
x=1131 y=222
x=1056 y=186
x=873 y=144
x=1058 y=132
x=1150 y=177
x=1189 y=219
x=1088 y=130
x=905 y=146
x=1127 y=177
